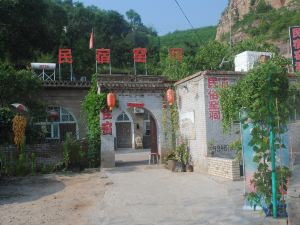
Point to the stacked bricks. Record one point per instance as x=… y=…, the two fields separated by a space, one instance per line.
x=227 y=168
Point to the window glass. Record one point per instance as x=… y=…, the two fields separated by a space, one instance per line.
x=126 y=117
x=55 y=130
x=123 y=117
x=147 y=128
x=146 y=116
x=48 y=131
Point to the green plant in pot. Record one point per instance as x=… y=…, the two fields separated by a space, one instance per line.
x=171 y=161
x=182 y=155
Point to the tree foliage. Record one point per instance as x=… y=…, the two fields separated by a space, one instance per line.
x=262 y=96
x=18 y=87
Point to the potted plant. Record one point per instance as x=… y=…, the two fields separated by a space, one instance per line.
x=182 y=155
x=171 y=161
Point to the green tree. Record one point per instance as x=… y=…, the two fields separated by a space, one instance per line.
x=211 y=55
x=19 y=87
x=262 y=94
x=134 y=18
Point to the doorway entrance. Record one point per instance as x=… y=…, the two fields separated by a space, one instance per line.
x=123 y=134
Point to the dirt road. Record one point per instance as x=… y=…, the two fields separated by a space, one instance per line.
x=59 y=199
x=127 y=195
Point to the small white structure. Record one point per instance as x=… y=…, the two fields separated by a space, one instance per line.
x=200 y=122
x=45 y=71
x=246 y=60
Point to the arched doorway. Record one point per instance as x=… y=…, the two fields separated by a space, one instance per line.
x=123 y=131
x=150 y=132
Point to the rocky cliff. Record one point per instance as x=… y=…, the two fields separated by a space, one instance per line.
x=237 y=9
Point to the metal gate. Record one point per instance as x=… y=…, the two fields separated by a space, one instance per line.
x=124 y=135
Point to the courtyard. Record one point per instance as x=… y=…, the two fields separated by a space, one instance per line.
x=132 y=193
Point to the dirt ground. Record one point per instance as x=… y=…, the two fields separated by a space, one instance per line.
x=56 y=199
x=130 y=194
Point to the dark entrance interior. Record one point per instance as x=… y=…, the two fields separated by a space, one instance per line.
x=143 y=125
x=124 y=135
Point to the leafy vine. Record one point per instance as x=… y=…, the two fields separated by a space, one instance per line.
x=92 y=105
x=263 y=96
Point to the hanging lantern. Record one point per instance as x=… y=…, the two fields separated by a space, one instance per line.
x=170 y=96
x=111 y=101
x=53 y=115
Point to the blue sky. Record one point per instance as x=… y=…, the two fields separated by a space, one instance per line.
x=164 y=15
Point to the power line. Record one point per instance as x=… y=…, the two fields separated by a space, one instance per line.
x=181 y=9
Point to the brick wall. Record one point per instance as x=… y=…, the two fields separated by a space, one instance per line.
x=226 y=168
x=46 y=153
x=193 y=97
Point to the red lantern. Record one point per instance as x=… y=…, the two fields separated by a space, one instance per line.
x=170 y=96
x=111 y=101
x=53 y=115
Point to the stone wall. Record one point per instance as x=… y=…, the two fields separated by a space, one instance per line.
x=46 y=153
x=226 y=168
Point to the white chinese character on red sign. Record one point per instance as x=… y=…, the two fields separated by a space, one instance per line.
x=106 y=128
x=106 y=114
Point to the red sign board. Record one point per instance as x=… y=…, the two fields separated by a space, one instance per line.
x=103 y=56
x=65 y=56
x=295 y=46
x=140 y=55
x=176 y=54
x=134 y=104
x=106 y=128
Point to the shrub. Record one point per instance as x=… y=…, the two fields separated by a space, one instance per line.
x=74 y=156
x=182 y=155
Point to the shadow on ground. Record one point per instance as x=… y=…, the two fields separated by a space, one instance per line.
x=131 y=163
x=26 y=189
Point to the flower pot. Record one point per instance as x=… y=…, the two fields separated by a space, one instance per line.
x=190 y=168
x=172 y=164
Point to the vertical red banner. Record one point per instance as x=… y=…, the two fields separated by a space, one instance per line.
x=65 y=56
x=295 y=46
x=140 y=55
x=103 y=56
x=175 y=54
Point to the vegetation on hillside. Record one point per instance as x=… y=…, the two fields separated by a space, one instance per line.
x=188 y=39
x=269 y=23
x=31 y=30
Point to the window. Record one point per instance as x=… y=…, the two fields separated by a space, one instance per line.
x=59 y=125
x=66 y=116
x=147 y=124
x=123 y=117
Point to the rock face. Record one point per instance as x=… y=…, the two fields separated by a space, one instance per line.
x=237 y=9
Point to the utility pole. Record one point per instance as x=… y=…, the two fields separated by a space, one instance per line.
x=272 y=149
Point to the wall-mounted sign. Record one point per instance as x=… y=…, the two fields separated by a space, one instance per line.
x=295 y=46
x=135 y=104
x=187 y=125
